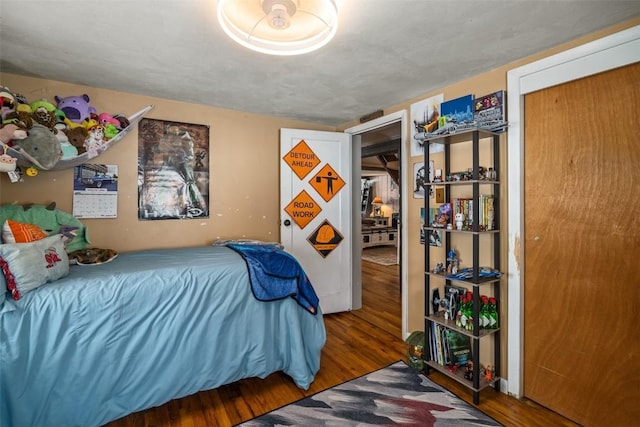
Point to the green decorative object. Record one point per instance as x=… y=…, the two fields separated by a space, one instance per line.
x=415 y=350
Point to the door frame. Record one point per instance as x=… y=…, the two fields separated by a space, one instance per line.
x=397 y=117
x=613 y=51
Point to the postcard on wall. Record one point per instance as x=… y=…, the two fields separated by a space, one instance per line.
x=173 y=170
x=95 y=191
x=424 y=119
x=418 y=180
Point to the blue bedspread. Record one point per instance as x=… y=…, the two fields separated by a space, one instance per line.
x=275 y=274
x=148 y=327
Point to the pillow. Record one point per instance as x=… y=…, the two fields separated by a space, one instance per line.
x=27 y=266
x=18 y=232
x=51 y=221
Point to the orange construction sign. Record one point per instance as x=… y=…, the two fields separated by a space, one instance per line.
x=325 y=238
x=327 y=182
x=301 y=159
x=303 y=209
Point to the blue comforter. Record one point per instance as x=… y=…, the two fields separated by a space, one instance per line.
x=148 y=327
x=275 y=274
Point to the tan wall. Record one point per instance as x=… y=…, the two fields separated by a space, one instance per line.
x=244 y=165
x=479 y=85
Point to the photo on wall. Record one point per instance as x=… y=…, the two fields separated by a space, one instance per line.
x=173 y=170
x=418 y=180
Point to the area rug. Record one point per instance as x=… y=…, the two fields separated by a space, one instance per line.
x=383 y=255
x=392 y=396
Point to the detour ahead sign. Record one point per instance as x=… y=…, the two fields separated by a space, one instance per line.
x=303 y=209
x=301 y=159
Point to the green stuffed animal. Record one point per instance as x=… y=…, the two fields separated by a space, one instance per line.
x=44 y=112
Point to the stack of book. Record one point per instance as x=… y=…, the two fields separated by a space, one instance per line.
x=449 y=347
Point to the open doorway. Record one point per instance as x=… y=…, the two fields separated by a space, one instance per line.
x=380 y=195
x=379 y=147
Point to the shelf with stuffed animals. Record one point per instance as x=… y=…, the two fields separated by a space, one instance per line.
x=42 y=136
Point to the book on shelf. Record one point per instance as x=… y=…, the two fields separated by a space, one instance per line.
x=458 y=347
x=487 y=214
x=489 y=111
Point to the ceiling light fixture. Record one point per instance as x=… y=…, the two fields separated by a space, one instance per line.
x=279 y=27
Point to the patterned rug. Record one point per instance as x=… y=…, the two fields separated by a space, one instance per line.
x=383 y=255
x=395 y=395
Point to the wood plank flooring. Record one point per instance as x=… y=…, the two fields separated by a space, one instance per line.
x=358 y=342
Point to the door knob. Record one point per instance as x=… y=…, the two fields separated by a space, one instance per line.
x=287 y=223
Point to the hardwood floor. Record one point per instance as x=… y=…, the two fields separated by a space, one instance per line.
x=358 y=342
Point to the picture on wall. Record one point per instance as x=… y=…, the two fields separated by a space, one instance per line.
x=418 y=180
x=424 y=118
x=173 y=170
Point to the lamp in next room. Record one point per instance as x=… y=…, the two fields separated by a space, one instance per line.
x=377 y=206
x=279 y=27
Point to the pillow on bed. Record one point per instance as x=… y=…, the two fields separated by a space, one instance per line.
x=27 y=266
x=51 y=221
x=18 y=232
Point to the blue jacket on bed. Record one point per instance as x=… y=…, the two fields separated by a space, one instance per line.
x=275 y=274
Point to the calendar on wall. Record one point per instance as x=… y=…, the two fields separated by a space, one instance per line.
x=95 y=191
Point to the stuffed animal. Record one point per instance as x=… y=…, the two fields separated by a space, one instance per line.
x=68 y=150
x=124 y=122
x=41 y=145
x=76 y=108
x=110 y=131
x=44 y=112
x=11 y=132
x=77 y=136
x=95 y=140
x=104 y=118
x=7 y=163
x=8 y=102
x=20 y=118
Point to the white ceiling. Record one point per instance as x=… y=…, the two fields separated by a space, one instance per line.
x=385 y=52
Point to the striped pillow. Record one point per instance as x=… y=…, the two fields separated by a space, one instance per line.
x=18 y=232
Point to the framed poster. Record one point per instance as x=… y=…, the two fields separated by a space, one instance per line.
x=173 y=170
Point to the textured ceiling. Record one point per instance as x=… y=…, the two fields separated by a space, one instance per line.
x=385 y=52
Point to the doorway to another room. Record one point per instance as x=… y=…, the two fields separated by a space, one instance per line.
x=380 y=197
x=374 y=142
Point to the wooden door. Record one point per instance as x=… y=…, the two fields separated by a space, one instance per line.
x=582 y=248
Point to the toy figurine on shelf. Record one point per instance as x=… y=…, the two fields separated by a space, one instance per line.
x=453 y=263
x=459 y=221
x=488 y=373
x=468 y=371
x=439 y=268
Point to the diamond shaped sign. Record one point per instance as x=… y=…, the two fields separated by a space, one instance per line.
x=301 y=159
x=325 y=238
x=327 y=182
x=303 y=209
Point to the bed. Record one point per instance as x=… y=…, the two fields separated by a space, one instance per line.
x=147 y=327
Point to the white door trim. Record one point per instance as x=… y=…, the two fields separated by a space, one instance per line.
x=616 y=50
x=399 y=116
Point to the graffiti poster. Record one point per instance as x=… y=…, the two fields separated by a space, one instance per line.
x=173 y=170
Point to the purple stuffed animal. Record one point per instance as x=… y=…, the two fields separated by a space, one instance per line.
x=76 y=108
